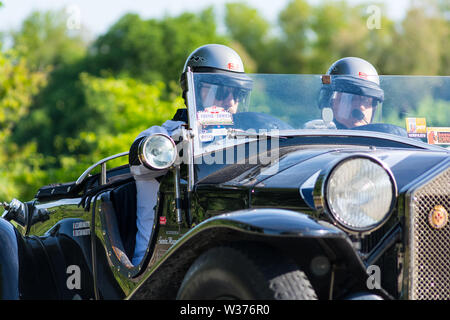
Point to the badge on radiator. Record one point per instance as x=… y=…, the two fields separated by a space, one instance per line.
x=438 y=217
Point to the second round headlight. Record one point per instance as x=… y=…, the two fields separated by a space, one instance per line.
x=158 y=152
x=360 y=193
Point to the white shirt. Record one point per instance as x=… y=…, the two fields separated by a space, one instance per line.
x=147 y=193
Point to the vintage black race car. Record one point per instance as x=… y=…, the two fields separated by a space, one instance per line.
x=274 y=201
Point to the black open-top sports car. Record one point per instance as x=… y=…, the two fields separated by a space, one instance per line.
x=275 y=201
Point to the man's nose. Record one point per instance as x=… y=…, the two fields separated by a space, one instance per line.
x=228 y=100
x=361 y=106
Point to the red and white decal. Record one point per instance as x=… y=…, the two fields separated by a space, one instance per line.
x=232 y=66
x=362 y=75
x=214 y=109
x=214 y=116
x=162 y=220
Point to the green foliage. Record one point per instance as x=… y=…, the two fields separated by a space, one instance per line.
x=65 y=104
x=247 y=27
x=45 y=40
x=19 y=164
x=124 y=107
x=153 y=49
x=435 y=111
x=147 y=50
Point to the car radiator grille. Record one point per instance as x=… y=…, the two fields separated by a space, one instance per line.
x=430 y=247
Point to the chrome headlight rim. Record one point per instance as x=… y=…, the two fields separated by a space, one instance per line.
x=321 y=195
x=142 y=149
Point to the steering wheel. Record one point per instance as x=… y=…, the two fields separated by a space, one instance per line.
x=383 y=127
x=257 y=121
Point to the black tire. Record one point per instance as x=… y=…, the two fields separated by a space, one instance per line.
x=251 y=274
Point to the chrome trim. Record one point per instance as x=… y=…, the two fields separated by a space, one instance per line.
x=407 y=282
x=177 y=191
x=101 y=162
x=320 y=193
x=192 y=107
x=363 y=296
x=141 y=151
x=191 y=171
x=346 y=133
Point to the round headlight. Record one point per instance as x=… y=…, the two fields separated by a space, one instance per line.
x=157 y=152
x=360 y=193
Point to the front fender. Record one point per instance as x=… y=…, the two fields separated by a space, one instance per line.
x=9 y=262
x=278 y=222
x=295 y=234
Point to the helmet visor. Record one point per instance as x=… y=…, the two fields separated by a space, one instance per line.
x=231 y=99
x=352 y=110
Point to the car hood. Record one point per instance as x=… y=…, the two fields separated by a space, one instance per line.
x=295 y=167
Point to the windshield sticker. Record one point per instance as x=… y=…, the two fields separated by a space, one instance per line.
x=209 y=135
x=219 y=132
x=214 y=116
x=206 y=136
x=438 y=135
x=81 y=229
x=416 y=127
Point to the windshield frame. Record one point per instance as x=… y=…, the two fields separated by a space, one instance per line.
x=235 y=137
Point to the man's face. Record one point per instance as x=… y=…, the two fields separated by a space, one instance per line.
x=352 y=110
x=219 y=96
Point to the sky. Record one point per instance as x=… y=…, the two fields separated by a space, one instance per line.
x=98 y=15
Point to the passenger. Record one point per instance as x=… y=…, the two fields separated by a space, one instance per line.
x=225 y=90
x=354 y=94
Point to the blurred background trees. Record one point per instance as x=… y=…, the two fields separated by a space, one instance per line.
x=67 y=101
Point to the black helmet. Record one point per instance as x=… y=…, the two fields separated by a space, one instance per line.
x=225 y=72
x=352 y=77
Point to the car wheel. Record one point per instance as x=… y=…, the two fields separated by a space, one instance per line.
x=231 y=273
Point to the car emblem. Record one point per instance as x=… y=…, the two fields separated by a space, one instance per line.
x=438 y=217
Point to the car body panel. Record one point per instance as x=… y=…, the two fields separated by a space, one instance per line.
x=242 y=189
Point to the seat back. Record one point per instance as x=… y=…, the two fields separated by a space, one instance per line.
x=124 y=202
x=119 y=218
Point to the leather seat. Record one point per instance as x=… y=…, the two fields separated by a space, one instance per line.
x=119 y=216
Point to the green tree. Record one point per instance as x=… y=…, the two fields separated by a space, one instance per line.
x=153 y=49
x=295 y=23
x=147 y=50
x=18 y=163
x=251 y=32
x=45 y=40
x=124 y=107
x=418 y=43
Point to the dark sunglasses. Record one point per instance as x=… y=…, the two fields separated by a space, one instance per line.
x=224 y=92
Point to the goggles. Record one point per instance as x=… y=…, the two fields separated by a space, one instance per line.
x=211 y=92
x=348 y=102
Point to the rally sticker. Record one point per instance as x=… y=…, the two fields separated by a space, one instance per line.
x=438 y=135
x=206 y=136
x=81 y=228
x=209 y=135
x=416 y=127
x=162 y=220
x=214 y=116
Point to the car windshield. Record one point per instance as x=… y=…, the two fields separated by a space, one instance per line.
x=224 y=107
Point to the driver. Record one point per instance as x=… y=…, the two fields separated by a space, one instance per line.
x=224 y=91
x=224 y=88
x=353 y=94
